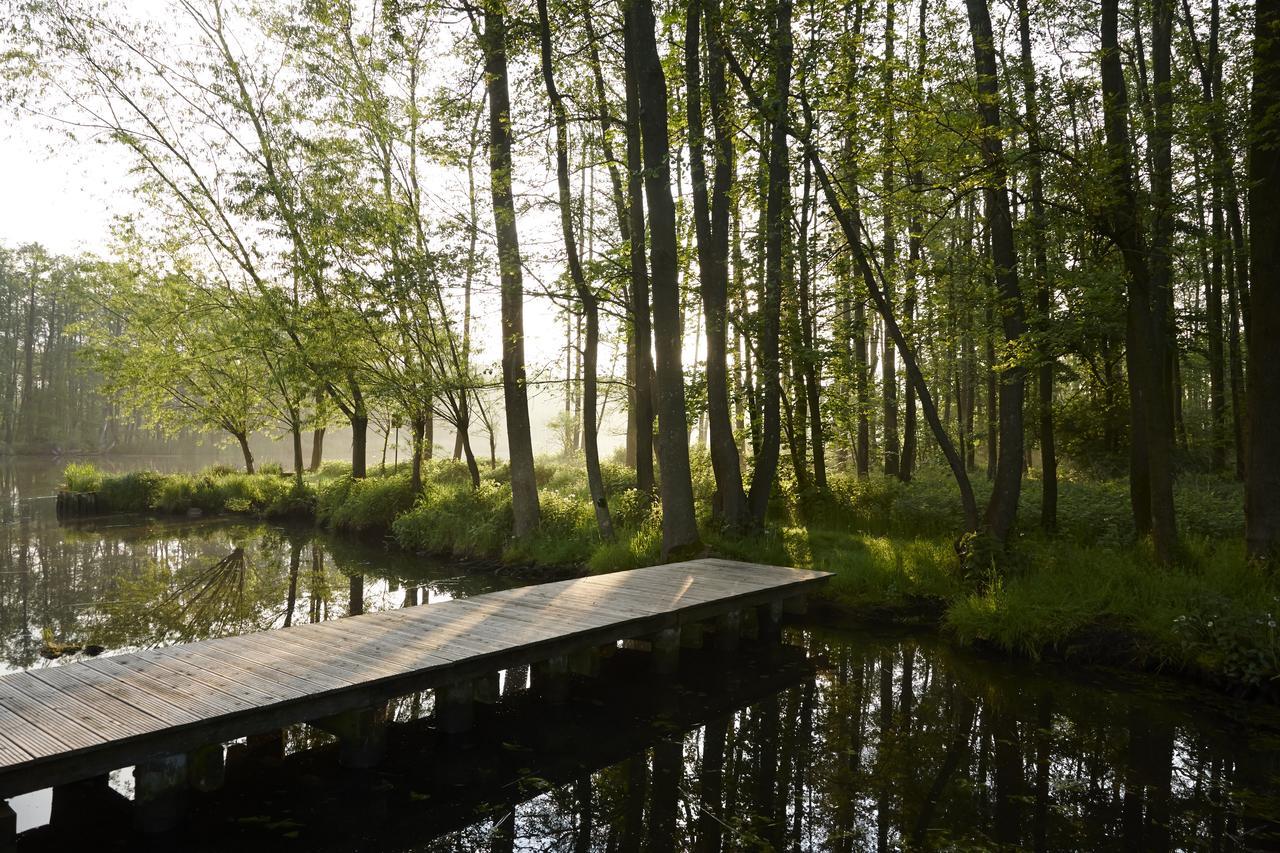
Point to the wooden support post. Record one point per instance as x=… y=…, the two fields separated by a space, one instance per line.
x=8 y=827
x=728 y=630
x=666 y=651
x=585 y=662
x=362 y=735
x=551 y=678
x=160 y=793
x=769 y=622
x=796 y=605
x=87 y=804
x=691 y=635
x=487 y=689
x=455 y=707
x=207 y=768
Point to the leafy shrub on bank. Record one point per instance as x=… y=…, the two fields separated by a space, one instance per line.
x=371 y=504
x=451 y=518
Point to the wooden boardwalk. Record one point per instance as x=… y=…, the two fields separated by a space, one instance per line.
x=156 y=708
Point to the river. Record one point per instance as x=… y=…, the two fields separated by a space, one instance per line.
x=873 y=740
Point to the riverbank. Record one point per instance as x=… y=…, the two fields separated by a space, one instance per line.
x=1088 y=593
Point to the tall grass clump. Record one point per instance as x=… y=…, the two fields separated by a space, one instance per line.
x=82 y=477
x=454 y=519
x=366 y=505
x=215 y=491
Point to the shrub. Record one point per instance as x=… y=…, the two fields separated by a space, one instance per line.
x=457 y=520
x=364 y=505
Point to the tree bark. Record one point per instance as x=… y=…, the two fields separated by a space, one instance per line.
x=1150 y=452
x=1002 y=509
x=711 y=222
x=1043 y=286
x=590 y=303
x=641 y=331
x=524 y=487
x=888 y=360
x=359 y=442
x=243 y=440
x=679 y=522
x=766 y=465
x=419 y=428
x=1262 y=487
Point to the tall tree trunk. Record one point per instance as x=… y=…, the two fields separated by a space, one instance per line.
x=524 y=487
x=642 y=412
x=766 y=465
x=590 y=303
x=1003 y=507
x=679 y=522
x=1262 y=488
x=808 y=333
x=1043 y=286
x=1150 y=454
x=889 y=365
x=712 y=228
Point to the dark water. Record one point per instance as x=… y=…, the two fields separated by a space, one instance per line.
x=842 y=740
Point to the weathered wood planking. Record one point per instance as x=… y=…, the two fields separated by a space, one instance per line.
x=61 y=724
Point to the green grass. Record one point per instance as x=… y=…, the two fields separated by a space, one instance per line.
x=1090 y=591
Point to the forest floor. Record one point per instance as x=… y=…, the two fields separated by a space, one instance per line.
x=1090 y=592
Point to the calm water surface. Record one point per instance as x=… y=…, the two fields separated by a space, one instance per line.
x=843 y=741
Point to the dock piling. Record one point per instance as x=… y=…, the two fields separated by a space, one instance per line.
x=160 y=793
x=362 y=735
x=455 y=707
x=666 y=651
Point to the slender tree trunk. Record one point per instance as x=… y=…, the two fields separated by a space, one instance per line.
x=590 y=303
x=1002 y=509
x=1150 y=456
x=641 y=331
x=1043 y=286
x=766 y=464
x=1262 y=486
x=679 y=522
x=712 y=229
x=808 y=333
x=1235 y=366
x=888 y=361
x=524 y=487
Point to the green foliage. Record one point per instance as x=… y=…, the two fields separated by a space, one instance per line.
x=132 y=492
x=82 y=477
x=453 y=518
x=363 y=505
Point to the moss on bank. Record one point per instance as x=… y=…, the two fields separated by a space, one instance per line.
x=1089 y=592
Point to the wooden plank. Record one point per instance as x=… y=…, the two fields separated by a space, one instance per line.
x=123 y=708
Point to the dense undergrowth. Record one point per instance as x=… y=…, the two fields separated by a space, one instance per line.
x=1089 y=591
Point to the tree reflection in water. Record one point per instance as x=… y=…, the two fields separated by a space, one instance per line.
x=145 y=583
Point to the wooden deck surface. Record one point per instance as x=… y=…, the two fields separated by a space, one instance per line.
x=64 y=723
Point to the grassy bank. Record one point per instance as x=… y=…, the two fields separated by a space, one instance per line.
x=1090 y=592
